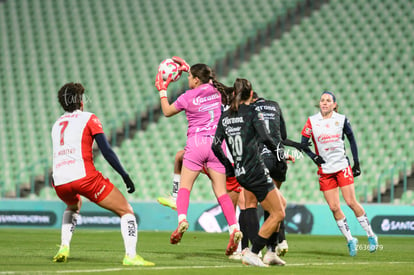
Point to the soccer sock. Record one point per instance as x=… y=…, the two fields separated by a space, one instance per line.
x=272 y=241
x=228 y=211
x=176 y=185
x=343 y=226
x=243 y=229
x=364 y=222
x=282 y=235
x=69 y=221
x=258 y=244
x=129 y=233
x=252 y=223
x=183 y=200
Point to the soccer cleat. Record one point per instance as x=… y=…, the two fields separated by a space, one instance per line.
x=237 y=256
x=282 y=248
x=169 y=201
x=352 y=246
x=178 y=233
x=235 y=238
x=62 y=255
x=137 y=260
x=249 y=258
x=270 y=258
x=373 y=243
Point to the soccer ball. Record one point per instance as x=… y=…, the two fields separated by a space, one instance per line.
x=169 y=67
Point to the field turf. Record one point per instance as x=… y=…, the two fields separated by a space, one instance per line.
x=25 y=251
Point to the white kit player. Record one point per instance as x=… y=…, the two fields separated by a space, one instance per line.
x=328 y=130
x=74 y=173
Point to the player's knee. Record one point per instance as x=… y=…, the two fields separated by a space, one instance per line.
x=335 y=208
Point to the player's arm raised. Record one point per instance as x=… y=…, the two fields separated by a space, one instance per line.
x=167 y=108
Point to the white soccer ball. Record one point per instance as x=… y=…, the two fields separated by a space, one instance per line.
x=169 y=67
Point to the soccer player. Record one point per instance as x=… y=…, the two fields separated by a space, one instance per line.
x=202 y=105
x=277 y=166
x=243 y=127
x=328 y=130
x=74 y=173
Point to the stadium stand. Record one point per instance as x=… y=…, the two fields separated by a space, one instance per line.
x=361 y=50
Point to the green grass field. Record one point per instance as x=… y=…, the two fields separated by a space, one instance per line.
x=101 y=252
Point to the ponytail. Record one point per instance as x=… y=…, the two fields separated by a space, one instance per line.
x=242 y=88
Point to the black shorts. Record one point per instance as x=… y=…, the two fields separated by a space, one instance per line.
x=259 y=186
x=277 y=168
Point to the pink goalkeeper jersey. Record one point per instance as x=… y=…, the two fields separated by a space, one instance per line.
x=72 y=138
x=202 y=107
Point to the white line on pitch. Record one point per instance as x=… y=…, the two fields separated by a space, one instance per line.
x=182 y=267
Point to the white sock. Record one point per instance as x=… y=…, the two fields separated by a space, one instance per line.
x=176 y=185
x=129 y=233
x=364 y=222
x=181 y=217
x=343 y=226
x=233 y=226
x=69 y=221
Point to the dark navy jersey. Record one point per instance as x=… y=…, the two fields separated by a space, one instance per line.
x=274 y=122
x=242 y=131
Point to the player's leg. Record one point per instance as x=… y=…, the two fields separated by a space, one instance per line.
x=332 y=198
x=116 y=202
x=252 y=220
x=69 y=220
x=348 y=192
x=171 y=200
x=188 y=177
x=218 y=182
x=273 y=205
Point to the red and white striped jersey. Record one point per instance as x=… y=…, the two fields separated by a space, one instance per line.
x=328 y=138
x=72 y=138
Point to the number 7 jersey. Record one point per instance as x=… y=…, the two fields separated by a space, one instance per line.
x=72 y=138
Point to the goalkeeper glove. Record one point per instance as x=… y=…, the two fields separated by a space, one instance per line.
x=184 y=67
x=161 y=85
x=356 y=171
x=129 y=184
x=318 y=160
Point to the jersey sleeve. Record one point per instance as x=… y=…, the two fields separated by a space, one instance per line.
x=95 y=125
x=351 y=138
x=283 y=132
x=181 y=103
x=218 y=151
x=307 y=129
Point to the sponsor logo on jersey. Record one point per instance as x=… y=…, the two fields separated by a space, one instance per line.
x=325 y=138
x=231 y=120
x=199 y=100
x=308 y=131
x=100 y=192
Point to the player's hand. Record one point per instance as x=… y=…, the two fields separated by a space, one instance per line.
x=160 y=84
x=304 y=146
x=290 y=158
x=129 y=184
x=184 y=67
x=356 y=170
x=318 y=160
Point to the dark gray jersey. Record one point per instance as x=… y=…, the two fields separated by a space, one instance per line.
x=242 y=131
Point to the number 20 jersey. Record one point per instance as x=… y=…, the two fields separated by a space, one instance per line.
x=72 y=138
x=241 y=134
